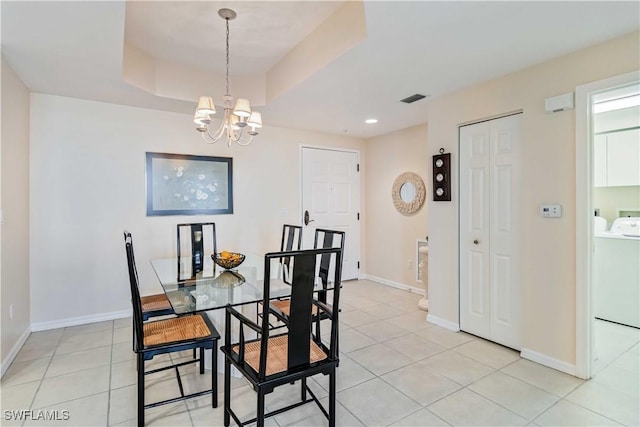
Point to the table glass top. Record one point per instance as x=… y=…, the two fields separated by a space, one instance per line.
x=214 y=287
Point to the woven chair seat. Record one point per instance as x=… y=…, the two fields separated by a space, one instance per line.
x=175 y=330
x=285 y=307
x=276 y=354
x=155 y=302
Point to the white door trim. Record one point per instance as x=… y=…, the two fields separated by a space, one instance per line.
x=584 y=211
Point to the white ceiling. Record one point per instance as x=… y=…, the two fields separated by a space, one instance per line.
x=76 y=49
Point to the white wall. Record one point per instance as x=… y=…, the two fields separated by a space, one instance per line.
x=548 y=246
x=391 y=236
x=87 y=185
x=14 y=203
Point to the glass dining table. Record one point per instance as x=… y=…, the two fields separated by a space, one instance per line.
x=192 y=289
x=210 y=288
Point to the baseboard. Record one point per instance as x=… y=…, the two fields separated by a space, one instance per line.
x=14 y=352
x=81 y=320
x=550 y=362
x=444 y=323
x=393 y=284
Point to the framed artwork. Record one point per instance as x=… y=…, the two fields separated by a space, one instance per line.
x=179 y=184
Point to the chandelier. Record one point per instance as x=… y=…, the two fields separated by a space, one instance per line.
x=239 y=124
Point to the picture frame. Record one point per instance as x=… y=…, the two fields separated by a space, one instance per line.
x=181 y=184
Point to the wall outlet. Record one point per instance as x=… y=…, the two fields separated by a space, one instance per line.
x=10 y=311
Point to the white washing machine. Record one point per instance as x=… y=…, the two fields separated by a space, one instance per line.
x=616 y=272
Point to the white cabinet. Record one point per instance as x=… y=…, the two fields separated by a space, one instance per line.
x=623 y=158
x=617 y=158
x=600 y=161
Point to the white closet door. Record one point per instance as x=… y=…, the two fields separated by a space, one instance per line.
x=490 y=271
x=475 y=301
x=506 y=281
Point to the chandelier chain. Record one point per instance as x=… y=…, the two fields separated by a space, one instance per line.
x=227 y=21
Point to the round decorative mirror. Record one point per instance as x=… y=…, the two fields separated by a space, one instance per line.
x=408 y=193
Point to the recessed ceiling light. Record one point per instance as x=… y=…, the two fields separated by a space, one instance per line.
x=371 y=121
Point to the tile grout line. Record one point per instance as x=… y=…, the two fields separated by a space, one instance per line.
x=110 y=373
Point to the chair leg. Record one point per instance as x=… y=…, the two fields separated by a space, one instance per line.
x=227 y=391
x=318 y=333
x=214 y=374
x=201 y=360
x=332 y=398
x=140 y=366
x=338 y=346
x=303 y=391
x=260 y=412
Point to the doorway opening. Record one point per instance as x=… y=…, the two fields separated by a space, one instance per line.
x=607 y=188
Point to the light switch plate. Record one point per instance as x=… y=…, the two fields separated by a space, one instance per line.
x=551 y=211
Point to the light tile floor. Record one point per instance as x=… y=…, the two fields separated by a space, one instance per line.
x=395 y=369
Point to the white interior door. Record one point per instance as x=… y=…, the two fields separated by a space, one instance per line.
x=490 y=271
x=475 y=315
x=331 y=195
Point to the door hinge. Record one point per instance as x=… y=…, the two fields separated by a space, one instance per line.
x=358 y=265
x=358 y=216
x=357 y=167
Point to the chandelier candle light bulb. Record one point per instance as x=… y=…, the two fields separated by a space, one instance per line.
x=236 y=118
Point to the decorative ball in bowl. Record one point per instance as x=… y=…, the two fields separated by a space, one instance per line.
x=228 y=260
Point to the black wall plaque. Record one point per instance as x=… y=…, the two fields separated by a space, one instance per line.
x=442 y=177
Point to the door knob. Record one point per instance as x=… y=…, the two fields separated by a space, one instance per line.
x=475 y=242
x=306 y=218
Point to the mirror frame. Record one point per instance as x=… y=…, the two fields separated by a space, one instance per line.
x=408 y=208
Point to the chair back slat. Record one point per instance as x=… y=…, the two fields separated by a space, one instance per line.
x=196 y=240
x=327 y=239
x=300 y=310
x=136 y=303
x=291 y=240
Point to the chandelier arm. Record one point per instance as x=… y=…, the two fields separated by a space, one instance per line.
x=206 y=137
x=219 y=132
x=245 y=142
x=212 y=138
x=243 y=138
x=235 y=135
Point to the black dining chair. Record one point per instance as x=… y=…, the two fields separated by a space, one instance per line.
x=154 y=305
x=278 y=359
x=196 y=240
x=323 y=239
x=291 y=240
x=168 y=336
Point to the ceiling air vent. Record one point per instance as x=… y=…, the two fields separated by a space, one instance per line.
x=413 y=98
